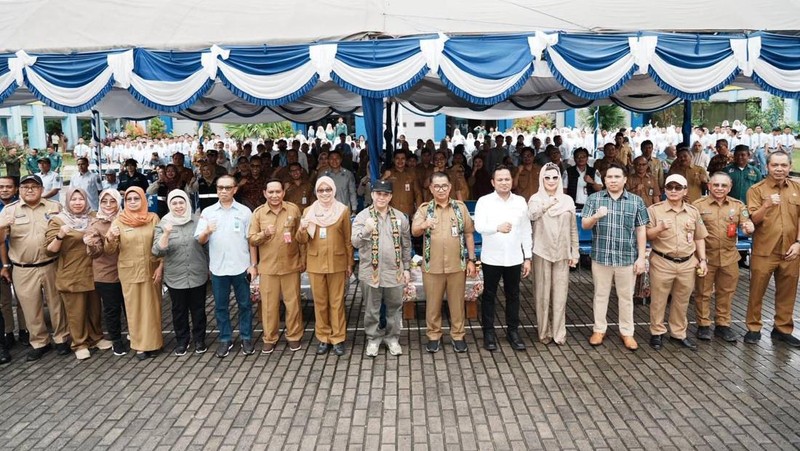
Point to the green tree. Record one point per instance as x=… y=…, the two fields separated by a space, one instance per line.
x=272 y=130
x=156 y=127
x=533 y=123
x=767 y=118
x=610 y=116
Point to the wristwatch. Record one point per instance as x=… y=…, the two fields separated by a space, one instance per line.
x=7 y=265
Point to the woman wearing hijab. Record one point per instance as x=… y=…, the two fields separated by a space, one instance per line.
x=104 y=268
x=64 y=238
x=325 y=230
x=139 y=272
x=185 y=271
x=166 y=183
x=555 y=250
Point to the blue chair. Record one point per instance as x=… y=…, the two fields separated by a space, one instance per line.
x=584 y=237
x=744 y=242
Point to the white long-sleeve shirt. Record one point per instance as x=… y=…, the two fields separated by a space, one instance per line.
x=503 y=249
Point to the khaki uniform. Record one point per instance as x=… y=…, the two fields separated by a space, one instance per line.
x=327 y=259
x=75 y=283
x=694 y=177
x=771 y=240
x=669 y=277
x=423 y=179
x=656 y=170
x=34 y=271
x=406 y=193
x=301 y=195
x=602 y=165
x=281 y=259
x=136 y=266
x=527 y=181
x=625 y=155
x=445 y=273
x=723 y=258
x=645 y=187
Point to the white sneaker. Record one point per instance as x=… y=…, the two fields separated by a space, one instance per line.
x=82 y=354
x=394 y=347
x=104 y=344
x=372 y=348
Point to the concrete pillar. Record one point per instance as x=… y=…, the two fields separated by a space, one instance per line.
x=790 y=111
x=439 y=128
x=37 y=138
x=69 y=126
x=14 y=125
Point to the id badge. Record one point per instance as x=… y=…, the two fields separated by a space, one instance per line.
x=287 y=237
x=304 y=200
x=408 y=187
x=454 y=231
x=323 y=232
x=237 y=226
x=650 y=192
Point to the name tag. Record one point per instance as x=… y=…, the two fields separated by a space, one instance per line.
x=237 y=226
x=408 y=187
x=323 y=232
x=303 y=200
x=454 y=231
x=287 y=237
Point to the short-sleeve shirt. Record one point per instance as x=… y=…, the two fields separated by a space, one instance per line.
x=742 y=179
x=778 y=231
x=687 y=226
x=720 y=248
x=614 y=236
x=445 y=247
x=27 y=230
x=228 y=249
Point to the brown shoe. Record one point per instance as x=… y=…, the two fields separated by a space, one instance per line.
x=630 y=342
x=294 y=346
x=596 y=339
x=268 y=348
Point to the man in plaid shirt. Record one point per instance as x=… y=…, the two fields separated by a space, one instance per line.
x=617 y=219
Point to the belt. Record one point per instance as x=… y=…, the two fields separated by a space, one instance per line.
x=33 y=265
x=672 y=259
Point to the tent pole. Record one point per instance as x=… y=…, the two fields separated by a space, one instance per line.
x=98 y=152
x=387 y=133
x=687 y=122
x=596 y=130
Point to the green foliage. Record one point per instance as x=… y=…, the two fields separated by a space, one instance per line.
x=767 y=118
x=207 y=132
x=156 y=127
x=534 y=123
x=272 y=130
x=610 y=116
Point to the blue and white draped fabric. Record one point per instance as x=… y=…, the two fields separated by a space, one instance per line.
x=486 y=70
x=168 y=81
x=775 y=63
x=8 y=83
x=379 y=69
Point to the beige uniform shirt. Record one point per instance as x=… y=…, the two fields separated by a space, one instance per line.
x=687 y=226
x=721 y=249
x=27 y=229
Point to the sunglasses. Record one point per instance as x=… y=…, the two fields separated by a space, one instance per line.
x=325 y=190
x=551 y=177
x=674 y=187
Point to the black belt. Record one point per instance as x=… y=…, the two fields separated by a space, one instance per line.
x=33 y=265
x=672 y=259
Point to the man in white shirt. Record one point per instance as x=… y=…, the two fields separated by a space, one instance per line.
x=110 y=181
x=787 y=140
x=81 y=150
x=51 y=181
x=501 y=219
x=88 y=181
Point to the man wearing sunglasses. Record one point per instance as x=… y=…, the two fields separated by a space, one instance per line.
x=678 y=251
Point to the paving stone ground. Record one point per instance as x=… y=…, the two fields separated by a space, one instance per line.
x=724 y=396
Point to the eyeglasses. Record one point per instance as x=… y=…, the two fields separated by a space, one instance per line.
x=325 y=190
x=551 y=177
x=720 y=185
x=225 y=187
x=441 y=187
x=674 y=187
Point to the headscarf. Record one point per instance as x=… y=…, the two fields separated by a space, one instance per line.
x=115 y=194
x=564 y=204
x=135 y=218
x=322 y=215
x=76 y=220
x=173 y=217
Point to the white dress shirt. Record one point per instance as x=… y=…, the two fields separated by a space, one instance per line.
x=503 y=249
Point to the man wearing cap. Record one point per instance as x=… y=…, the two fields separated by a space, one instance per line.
x=382 y=236
x=51 y=180
x=281 y=259
x=502 y=220
x=678 y=253
x=24 y=223
x=110 y=182
x=132 y=177
x=722 y=216
x=88 y=181
x=774 y=205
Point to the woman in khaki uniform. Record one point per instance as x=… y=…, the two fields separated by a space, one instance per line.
x=139 y=272
x=64 y=238
x=325 y=228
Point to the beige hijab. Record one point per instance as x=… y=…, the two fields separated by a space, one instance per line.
x=324 y=215
x=564 y=204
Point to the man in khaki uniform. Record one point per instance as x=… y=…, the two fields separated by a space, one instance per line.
x=448 y=250
x=298 y=190
x=774 y=205
x=642 y=183
x=526 y=177
x=676 y=233
x=695 y=176
x=25 y=223
x=721 y=215
x=406 y=193
x=9 y=194
x=654 y=164
x=281 y=259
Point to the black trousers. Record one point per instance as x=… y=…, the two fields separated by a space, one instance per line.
x=511 y=276
x=113 y=308
x=2 y=332
x=186 y=301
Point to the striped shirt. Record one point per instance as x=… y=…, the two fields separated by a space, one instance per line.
x=614 y=236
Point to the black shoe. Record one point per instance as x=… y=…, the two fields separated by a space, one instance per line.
x=516 y=342
x=459 y=345
x=200 y=347
x=789 y=339
x=63 y=348
x=704 y=333
x=323 y=348
x=247 y=347
x=338 y=349
x=224 y=348
x=5 y=357
x=119 y=348
x=10 y=340
x=489 y=340
x=685 y=342
x=37 y=353
x=432 y=346
x=24 y=337
x=656 y=341
x=752 y=337
x=142 y=355
x=725 y=333
x=181 y=350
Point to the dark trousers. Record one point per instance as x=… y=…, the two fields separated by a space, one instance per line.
x=113 y=307
x=187 y=301
x=491 y=278
x=2 y=328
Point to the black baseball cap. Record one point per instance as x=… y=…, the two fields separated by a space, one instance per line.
x=33 y=178
x=382 y=186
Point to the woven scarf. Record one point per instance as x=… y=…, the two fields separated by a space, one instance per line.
x=462 y=241
x=373 y=212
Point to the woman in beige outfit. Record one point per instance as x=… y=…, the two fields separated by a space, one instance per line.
x=555 y=250
x=64 y=238
x=139 y=272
